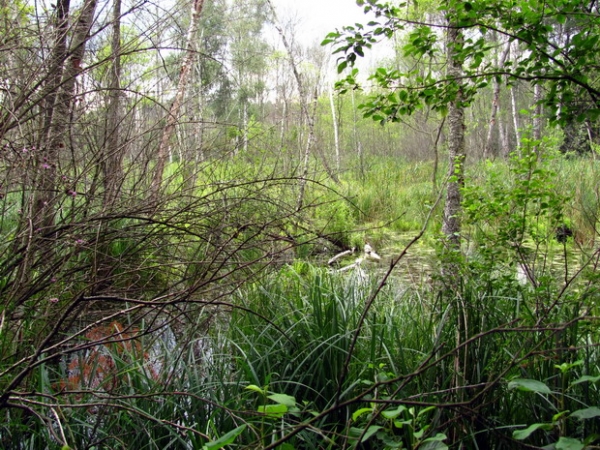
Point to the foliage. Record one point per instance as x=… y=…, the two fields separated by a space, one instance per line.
x=565 y=69
x=520 y=204
x=207 y=319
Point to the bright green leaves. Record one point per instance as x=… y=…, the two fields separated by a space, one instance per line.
x=227 y=439
x=385 y=425
x=422 y=41
x=282 y=403
x=587 y=379
x=587 y=413
x=527 y=385
x=352 y=41
x=423 y=85
x=563 y=61
x=560 y=419
x=525 y=433
x=516 y=205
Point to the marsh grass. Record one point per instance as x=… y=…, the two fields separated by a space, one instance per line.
x=442 y=358
x=289 y=360
x=447 y=355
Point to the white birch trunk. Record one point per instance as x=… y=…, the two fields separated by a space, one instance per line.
x=515 y=116
x=173 y=117
x=495 y=103
x=304 y=106
x=336 y=133
x=451 y=226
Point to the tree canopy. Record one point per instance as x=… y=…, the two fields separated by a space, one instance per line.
x=557 y=46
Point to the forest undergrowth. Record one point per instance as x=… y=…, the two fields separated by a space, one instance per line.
x=217 y=322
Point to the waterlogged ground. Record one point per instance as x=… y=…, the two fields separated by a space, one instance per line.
x=420 y=263
x=414 y=268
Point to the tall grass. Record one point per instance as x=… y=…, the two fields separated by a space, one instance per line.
x=291 y=357
x=435 y=364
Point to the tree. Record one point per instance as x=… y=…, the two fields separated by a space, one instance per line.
x=111 y=160
x=66 y=67
x=456 y=131
x=173 y=117
x=305 y=104
x=567 y=69
x=248 y=55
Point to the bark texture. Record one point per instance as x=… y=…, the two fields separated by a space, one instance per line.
x=451 y=226
x=113 y=154
x=487 y=151
x=58 y=115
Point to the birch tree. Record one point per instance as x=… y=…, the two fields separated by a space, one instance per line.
x=497 y=87
x=567 y=70
x=174 y=110
x=456 y=133
x=304 y=105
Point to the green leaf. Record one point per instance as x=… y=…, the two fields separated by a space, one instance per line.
x=255 y=388
x=524 y=434
x=437 y=437
x=283 y=399
x=564 y=367
x=360 y=412
x=393 y=413
x=434 y=443
x=355 y=432
x=426 y=410
x=567 y=443
x=527 y=385
x=586 y=413
x=370 y=432
x=224 y=440
x=587 y=378
x=558 y=416
x=273 y=411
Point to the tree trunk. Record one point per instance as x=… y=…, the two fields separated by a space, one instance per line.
x=515 y=116
x=173 y=117
x=536 y=124
x=451 y=226
x=336 y=132
x=504 y=144
x=47 y=161
x=245 y=140
x=495 y=104
x=112 y=158
x=57 y=61
x=310 y=120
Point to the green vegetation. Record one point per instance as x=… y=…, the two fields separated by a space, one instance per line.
x=306 y=357
x=203 y=246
